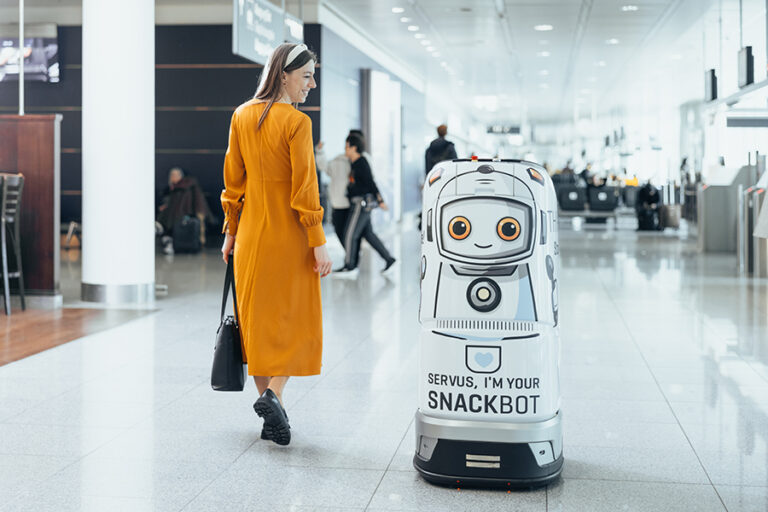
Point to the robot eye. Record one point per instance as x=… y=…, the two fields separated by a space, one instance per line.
x=508 y=229
x=459 y=228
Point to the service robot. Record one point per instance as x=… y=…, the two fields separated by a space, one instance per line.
x=489 y=389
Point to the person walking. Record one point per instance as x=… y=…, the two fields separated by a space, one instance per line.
x=439 y=149
x=363 y=196
x=273 y=226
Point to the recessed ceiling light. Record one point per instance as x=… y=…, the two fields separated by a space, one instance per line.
x=544 y=72
x=397 y=10
x=405 y=19
x=413 y=28
x=543 y=54
x=543 y=28
x=612 y=40
x=600 y=63
x=443 y=63
x=629 y=8
x=419 y=35
x=425 y=42
x=430 y=48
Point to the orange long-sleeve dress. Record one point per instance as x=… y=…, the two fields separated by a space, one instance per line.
x=271 y=203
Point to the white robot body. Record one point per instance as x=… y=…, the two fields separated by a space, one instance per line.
x=490 y=346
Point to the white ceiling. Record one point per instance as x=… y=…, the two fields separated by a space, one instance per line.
x=581 y=71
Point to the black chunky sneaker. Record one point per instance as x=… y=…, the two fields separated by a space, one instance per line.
x=276 y=427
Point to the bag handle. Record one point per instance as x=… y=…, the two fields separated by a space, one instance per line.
x=229 y=280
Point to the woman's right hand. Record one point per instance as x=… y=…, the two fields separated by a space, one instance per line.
x=228 y=247
x=323 y=263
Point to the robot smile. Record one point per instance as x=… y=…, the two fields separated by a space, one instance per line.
x=484 y=246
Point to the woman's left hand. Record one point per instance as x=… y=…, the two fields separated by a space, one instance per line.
x=383 y=206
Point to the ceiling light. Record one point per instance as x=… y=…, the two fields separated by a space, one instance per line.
x=419 y=35
x=543 y=28
x=413 y=28
x=443 y=63
x=426 y=42
x=544 y=72
x=405 y=19
x=397 y=10
x=629 y=8
x=612 y=40
x=430 y=48
x=600 y=63
x=543 y=54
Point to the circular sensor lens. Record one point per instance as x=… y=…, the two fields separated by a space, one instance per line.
x=508 y=229
x=459 y=228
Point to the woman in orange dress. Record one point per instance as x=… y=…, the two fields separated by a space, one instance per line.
x=273 y=220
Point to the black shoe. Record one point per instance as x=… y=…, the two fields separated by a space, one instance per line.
x=276 y=427
x=389 y=265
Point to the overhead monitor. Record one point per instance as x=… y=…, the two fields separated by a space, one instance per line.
x=41 y=53
x=746 y=66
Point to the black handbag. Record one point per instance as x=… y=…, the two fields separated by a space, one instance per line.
x=228 y=372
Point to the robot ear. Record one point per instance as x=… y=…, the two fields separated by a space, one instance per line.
x=550 y=267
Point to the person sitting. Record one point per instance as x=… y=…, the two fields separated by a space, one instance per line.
x=182 y=197
x=647 y=208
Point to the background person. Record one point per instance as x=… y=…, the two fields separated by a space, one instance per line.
x=182 y=197
x=364 y=196
x=439 y=149
x=273 y=219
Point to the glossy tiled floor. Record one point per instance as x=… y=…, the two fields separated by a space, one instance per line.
x=665 y=386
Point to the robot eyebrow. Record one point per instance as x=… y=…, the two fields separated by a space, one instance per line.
x=485 y=181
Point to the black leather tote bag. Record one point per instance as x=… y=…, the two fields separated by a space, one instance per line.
x=228 y=372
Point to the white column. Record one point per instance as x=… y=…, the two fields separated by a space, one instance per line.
x=118 y=151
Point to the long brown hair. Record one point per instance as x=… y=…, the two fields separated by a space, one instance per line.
x=270 y=84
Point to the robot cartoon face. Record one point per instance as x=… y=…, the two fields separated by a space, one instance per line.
x=486 y=228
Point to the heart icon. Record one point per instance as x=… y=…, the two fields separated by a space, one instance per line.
x=484 y=359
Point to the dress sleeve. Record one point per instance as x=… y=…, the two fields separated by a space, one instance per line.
x=234 y=181
x=305 y=195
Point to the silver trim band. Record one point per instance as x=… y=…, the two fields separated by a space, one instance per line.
x=494 y=432
x=121 y=294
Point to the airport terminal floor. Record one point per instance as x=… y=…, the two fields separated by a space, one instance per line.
x=664 y=381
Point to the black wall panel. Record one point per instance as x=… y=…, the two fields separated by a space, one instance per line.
x=192 y=129
x=195 y=44
x=213 y=87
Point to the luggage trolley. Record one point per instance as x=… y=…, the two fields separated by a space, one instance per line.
x=489 y=385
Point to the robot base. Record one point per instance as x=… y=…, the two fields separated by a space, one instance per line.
x=512 y=456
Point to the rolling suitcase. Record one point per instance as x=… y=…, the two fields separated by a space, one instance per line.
x=186 y=235
x=670 y=216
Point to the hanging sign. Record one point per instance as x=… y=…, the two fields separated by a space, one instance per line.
x=258 y=27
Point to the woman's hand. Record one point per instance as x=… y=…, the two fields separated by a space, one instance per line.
x=323 y=262
x=227 y=248
x=383 y=206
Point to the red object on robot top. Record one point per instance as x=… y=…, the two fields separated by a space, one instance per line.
x=474 y=158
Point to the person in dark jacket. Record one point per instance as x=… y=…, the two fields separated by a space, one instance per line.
x=182 y=197
x=647 y=207
x=364 y=196
x=439 y=149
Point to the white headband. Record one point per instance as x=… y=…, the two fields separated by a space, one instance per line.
x=297 y=50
